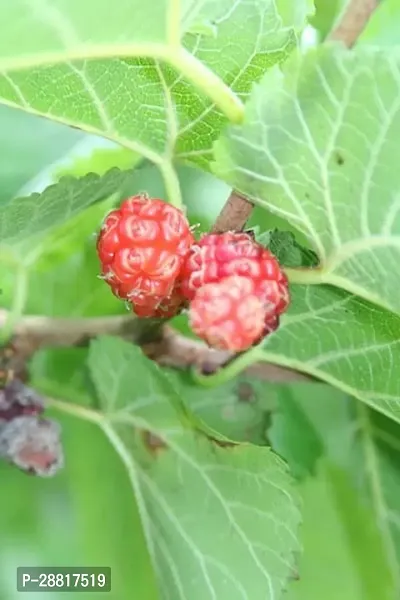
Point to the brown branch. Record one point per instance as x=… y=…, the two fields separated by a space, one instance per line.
x=234 y=215
x=160 y=343
x=353 y=21
x=35 y=332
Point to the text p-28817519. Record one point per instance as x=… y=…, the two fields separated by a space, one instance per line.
x=64 y=579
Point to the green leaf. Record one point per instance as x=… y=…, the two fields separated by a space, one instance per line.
x=342 y=340
x=66 y=28
x=65 y=264
x=318 y=150
x=107 y=524
x=292 y=434
x=238 y=410
x=288 y=251
x=314 y=420
x=377 y=474
x=311 y=420
x=343 y=551
x=193 y=493
x=126 y=68
x=35 y=214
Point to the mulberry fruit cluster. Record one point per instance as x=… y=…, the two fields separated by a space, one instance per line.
x=234 y=288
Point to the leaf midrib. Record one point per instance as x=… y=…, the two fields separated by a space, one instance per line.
x=154 y=50
x=261 y=355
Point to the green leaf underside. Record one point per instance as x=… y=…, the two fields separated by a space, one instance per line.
x=194 y=495
x=35 y=214
x=310 y=421
x=120 y=75
x=340 y=339
x=318 y=146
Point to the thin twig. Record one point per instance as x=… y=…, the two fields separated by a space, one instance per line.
x=234 y=215
x=34 y=332
x=160 y=343
x=353 y=21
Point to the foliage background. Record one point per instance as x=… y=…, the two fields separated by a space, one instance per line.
x=345 y=457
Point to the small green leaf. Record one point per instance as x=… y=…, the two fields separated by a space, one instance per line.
x=319 y=151
x=195 y=494
x=287 y=250
x=35 y=214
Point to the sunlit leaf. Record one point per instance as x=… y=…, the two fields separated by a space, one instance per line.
x=124 y=74
x=318 y=147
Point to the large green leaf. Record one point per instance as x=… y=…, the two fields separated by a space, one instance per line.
x=220 y=521
x=343 y=550
x=57 y=32
x=317 y=147
x=342 y=340
x=143 y=75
